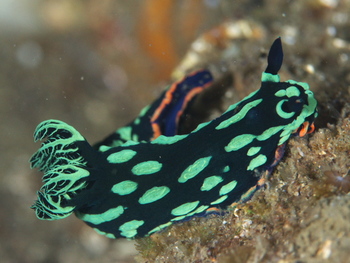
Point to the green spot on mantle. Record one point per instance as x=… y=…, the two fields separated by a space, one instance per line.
x=104 y=148
x=137 y=121
x=210 y=182
x=281 y=112
x=256 y=162
x=144 y=110
x=125 y=133
x=128 y=143
x=239 y=142
x=129 y=229
x=121 y=157
x=267 y=134
x=220 y=200
x=304 y=85
x=292 y=91
x=228 y=187
x=238 y=116
x=199 y=210
x=194 y=169
x=184 y=209
x=135 y=138
x=168 y=140
x=253 y=150
x=124 y=188
x=154 y=194
x=107 y=216
x=148 y=167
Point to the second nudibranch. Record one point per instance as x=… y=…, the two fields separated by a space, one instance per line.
x=162 y=117
x=139 y=188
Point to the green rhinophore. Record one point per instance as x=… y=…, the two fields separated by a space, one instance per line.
x=239 y=116
x=194 y=169
x=220 y=200
x=147 y=167
x=253 y=150
x=185 y=208
x=256 y=162
x=228 y=187
x=124 y=188
x=239 y=142
x=154 y=194
x=122 y=156
x=107 y=216
x=129 y=229
x=210 y=182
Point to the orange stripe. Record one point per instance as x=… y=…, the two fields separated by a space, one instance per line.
x=195 y=91
x=304 y=129
x=168 y=98
x=213 y=209
x=311 y=128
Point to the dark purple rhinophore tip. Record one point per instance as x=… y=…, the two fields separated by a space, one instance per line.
x=275 y=57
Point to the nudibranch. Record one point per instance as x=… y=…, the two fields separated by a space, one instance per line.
x=135 y=183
